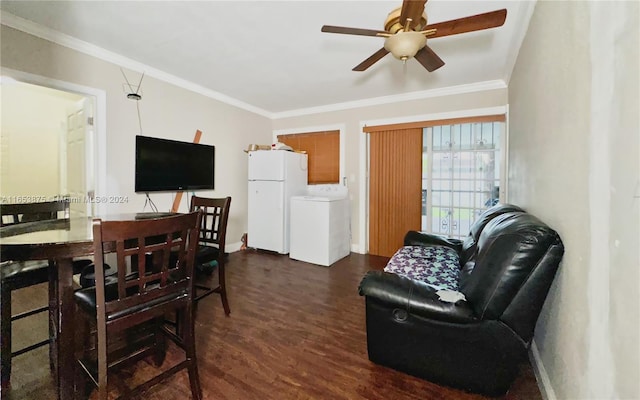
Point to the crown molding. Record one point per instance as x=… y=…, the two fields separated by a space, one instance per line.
x=81 y=46
x=376 y=101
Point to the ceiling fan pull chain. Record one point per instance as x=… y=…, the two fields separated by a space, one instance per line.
x=407 y=25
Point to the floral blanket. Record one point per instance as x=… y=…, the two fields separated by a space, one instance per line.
x=437 y=266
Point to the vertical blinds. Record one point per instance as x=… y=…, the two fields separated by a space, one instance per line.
x=395 y=191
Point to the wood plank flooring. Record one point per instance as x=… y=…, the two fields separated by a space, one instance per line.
x=296 y=331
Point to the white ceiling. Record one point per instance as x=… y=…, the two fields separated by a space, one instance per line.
x=271 y=54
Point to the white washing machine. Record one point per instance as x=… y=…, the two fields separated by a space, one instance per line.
x=320 y=231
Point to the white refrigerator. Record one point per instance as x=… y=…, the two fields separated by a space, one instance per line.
x=274 y=176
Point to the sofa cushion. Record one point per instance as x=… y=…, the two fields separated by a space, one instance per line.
x=437 y=266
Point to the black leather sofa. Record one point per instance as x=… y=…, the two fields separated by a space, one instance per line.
x=507 y=264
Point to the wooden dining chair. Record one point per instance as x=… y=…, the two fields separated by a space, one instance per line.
x=210 y=254
x=19 y=275
x=138 y=299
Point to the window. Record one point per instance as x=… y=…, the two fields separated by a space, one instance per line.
x=461 y=174
x=323 y=149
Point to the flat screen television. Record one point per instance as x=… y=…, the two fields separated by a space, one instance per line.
x=170 y=165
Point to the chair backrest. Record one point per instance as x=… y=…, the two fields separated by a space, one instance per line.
x=17 y=213
x=518 y=256
x=215 y=214
x=469 y=244
x=151 y=286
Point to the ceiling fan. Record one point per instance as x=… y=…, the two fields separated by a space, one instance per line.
x=406 y=32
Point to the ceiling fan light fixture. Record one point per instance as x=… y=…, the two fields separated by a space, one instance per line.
x=404 y=45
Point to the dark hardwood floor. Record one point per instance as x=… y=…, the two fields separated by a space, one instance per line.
x=296 y=331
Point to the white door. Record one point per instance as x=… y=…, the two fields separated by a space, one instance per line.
x=79 y=169
x=266 y=216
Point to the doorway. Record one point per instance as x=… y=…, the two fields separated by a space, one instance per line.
x=48 y=143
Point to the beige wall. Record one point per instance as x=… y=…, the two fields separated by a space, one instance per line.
x=409 y=110
x=33 y=123
x=167 y=111
x=574 y=162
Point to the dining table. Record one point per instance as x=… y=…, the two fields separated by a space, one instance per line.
x=59 y=241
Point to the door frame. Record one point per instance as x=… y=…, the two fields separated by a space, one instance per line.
x=100 y=122
x=363 y=225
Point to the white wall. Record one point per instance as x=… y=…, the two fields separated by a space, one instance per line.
x=353 y=118
x=167 y=111
x=33 y=120
x=574 y=162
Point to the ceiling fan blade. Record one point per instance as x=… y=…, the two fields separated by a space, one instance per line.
x=351 y=31
x=375 y=57
x=412 y=9
x=478 y=22
x=429 y=59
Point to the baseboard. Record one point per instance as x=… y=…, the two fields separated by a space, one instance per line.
x=544 y=383
x=232 y=247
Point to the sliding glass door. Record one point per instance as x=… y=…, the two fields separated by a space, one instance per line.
x=461 y=174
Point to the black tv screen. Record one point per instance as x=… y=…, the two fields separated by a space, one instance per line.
x=170 y=165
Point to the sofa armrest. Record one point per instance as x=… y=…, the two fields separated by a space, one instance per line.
x=416 y=297
x=415 y=238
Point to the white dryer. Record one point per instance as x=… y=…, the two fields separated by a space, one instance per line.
x=320 y=231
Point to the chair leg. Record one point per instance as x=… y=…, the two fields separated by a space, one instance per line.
x=180 y=323
x=223 y=289
x=5 y=331
x=53 y=311
x=82 y=344
x=188 y=323
x=101 y=345
x=79 y=382
x=160 y=342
